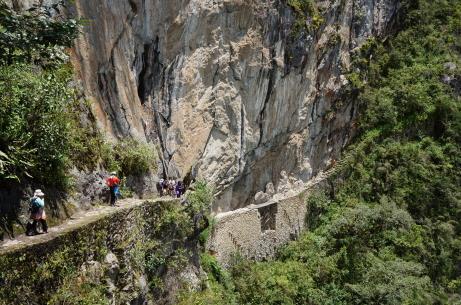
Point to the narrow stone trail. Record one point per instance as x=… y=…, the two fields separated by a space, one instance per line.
x=77 y=220
x=82 y=218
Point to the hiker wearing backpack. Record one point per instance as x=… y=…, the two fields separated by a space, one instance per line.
x=160 y=187
x=37 y=211
x=113 y=183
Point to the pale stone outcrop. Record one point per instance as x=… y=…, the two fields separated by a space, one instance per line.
x=231 y=90
x=226 y=87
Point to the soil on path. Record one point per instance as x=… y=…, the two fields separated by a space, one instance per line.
x=77 y=220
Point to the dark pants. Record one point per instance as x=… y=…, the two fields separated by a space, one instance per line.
x=160 y=189
x=113 y=196
x=44 y=225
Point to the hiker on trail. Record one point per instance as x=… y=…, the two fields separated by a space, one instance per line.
x=165 y=187
x=160 y=187
x=113 y=183
x=37 y=211
x=171 y=187
x=179 y=189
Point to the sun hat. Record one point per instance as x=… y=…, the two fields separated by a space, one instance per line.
x=38 y=193
x=113 y=173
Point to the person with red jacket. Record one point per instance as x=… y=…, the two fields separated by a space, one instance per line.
x=113 y=183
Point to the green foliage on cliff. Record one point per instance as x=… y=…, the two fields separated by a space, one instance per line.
x=34 y=95
x=44 y=127
x=389 y=231
x=217 y=285
x=33 y=121
x=307 y=14
x=106 y=258
x=77 y=291
x=201 y=197
x=34 y=37
x=128 y=157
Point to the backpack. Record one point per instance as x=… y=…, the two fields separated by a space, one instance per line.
x=117 y=192
x=33 y=204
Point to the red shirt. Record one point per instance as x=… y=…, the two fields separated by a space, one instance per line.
x=112 y=181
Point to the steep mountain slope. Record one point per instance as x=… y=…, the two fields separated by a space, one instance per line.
x=245 y=94
x=233 y=91
x=386 y=229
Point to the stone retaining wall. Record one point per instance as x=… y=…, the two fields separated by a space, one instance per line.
x=257 y=231
x=138 y=253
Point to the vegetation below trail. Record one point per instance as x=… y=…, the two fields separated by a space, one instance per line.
x=105 y=258
x=388 y=230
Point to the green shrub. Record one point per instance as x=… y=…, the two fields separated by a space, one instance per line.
x=205 y=235
x=201 y=197
x=128 y=157
x=33 y=37
x=308 y=16
x=217 y=284
x=80 y=291
x=34 y=123
x=215 y=272
x=213 y=294
x=303 y=6
x=134 y=158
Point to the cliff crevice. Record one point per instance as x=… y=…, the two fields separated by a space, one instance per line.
x=232 y=91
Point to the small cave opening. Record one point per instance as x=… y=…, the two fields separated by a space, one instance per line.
x=151 y=68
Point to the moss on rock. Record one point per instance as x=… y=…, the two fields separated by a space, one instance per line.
x=151 y=240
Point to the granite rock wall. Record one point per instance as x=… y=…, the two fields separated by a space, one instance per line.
x=231 y=91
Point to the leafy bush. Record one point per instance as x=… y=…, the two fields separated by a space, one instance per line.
x=34 y=37
x=201 y=198
x=133 y=157
x=80 y=292
x=34 y=125
x=219 y=289
x=308 y=16
x=34 y=95
x=214 y=294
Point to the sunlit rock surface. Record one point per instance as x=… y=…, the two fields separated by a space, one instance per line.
x=230 y=90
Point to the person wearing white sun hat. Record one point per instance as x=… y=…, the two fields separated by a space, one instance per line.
x=38 y=214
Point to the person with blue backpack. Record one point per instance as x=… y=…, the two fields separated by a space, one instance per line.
x=37 y=211
x=113 y=183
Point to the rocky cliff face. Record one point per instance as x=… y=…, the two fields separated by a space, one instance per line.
x=233 y=91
